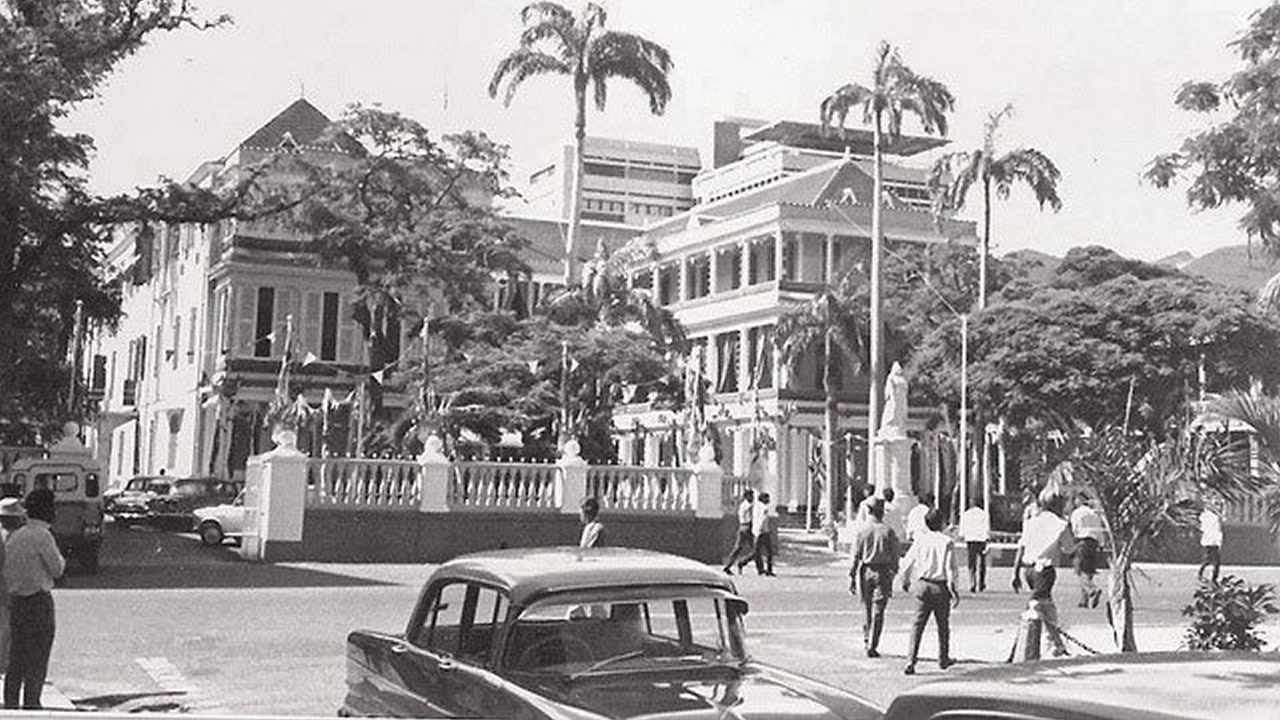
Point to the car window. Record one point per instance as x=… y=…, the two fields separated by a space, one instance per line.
x=57 y=482
x=136 y=484
x=461 y=622
x=191 y=489
x=159 y=488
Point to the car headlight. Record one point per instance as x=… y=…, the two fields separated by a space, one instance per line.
x=92 y=529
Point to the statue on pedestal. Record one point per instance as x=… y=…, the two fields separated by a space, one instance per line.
x=893 y=421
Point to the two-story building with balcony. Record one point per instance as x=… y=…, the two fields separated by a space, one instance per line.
x=785 y=212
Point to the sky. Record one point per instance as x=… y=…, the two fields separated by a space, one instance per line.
x=1092 y=83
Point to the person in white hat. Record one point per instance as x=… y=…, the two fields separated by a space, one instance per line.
x=12 y=517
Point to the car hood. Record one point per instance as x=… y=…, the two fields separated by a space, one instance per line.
x=754 y=693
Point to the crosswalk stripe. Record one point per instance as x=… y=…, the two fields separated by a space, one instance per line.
x=170 y=679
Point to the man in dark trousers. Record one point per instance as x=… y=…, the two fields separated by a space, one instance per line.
x=744 y=546
x=875 y=561
x=32 y=563
x=1046 y=539
x=762 y=531
x=931 y=565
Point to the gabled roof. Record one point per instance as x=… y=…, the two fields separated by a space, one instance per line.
x=300 y=125
x=546 y=237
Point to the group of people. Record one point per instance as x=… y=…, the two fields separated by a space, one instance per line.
x=29 y=563
x=757 y=534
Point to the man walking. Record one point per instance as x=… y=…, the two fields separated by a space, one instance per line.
x=32 y=562
x=915 y=518
x=1086 y=525
x=592 y=528
x=975 y=530
x=885 y=497
x=12 y=517
x=1210 y=541
x=744 y=544
x=875 y=561
x=931 y=565
x=1045 y=539
x=762 y=531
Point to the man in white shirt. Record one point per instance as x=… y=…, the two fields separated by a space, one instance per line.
x=975 y=530
x=930 y=565
x=1211 y=541
x=744 y=544
x=592 y=528
x=915 y=518
x=762 y=531
x=1046 y=539
x=864 y=508
x=32 y=563
x=1086 y=525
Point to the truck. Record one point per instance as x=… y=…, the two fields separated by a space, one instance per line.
x=75 y=477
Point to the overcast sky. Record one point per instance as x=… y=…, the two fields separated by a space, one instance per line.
x=1092 y=82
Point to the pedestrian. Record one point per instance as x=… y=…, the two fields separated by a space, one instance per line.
x=975 y=530
x=1046 y=538
x=761 y=530
x=12 y=517
x=931 y=565
x=1086 y=526
x=592 y=528
x=885 y=497
x=1210 y=541
x=875 y=562
x=744 y=544
x=915 y=518
x=32 y=563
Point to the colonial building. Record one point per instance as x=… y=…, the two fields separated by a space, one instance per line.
x=784 y=211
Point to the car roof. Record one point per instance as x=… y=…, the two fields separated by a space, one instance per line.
x=1133 y=686
x=527 y=573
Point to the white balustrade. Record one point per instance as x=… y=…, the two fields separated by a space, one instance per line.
x=354 y=482
x=634 y=489
x=733 y=487
x=476 y=485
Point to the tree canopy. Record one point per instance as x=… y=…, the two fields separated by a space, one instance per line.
x=1236 y=160
x=1063 y=353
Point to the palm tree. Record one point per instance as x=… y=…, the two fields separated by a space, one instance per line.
x=557 y=42
x=832 y=321
x=1261 y=415
x=955 y=173
x=895 y=91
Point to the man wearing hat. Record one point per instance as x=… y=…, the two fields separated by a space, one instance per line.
x=32 y=563
x=12 y=517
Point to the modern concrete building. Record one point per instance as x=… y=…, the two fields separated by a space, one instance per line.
x=785 y=211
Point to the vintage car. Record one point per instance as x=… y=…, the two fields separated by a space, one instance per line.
x=219 y=522
x=1136 y=686
x=571 y=633
x=174 y=509
x=128 y=502
x=71 y=472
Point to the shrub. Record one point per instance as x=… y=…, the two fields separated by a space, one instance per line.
x=1225 y=615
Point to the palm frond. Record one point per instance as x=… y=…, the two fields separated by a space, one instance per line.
x=951 y=177
x=926 y=98
x=521 y=65
x=1258 y=413
x=1269 y=295
x=546 y=12
x=1032 y=168
x=631 y=57
x=992 y=127
x=835 y=108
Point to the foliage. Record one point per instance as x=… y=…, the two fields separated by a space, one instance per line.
x=557 y=42
x=1063 y=354
x=1236 y=160
x=1261 y=414
x=954 y=174
x=1225 y=615
x=895 y=91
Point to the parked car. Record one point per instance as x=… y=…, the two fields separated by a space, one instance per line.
x=175 y=508
x=219 y=522
x=1136 y=686
x=571 y=633
x=129 y=501
x=70 y=471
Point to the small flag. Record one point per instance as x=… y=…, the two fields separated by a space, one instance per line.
x=309 y=359
x=378 y=375
x=533 y=366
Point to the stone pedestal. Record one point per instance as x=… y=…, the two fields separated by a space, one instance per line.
x=893 y=470
x=275 y=502
x=571 y=485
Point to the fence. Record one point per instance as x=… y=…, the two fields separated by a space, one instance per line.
x=503 y=486
x=367 y=483
x=642 y=489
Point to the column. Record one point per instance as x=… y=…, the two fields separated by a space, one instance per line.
x=434 y=491
x=777 y=255
x=708 y=484
x=275 y=503
x=745 y=256
x=683 y=279
x=713 y=268
x=830 y=270
x=744 y=354
x=655 y=276
x=798 y=270
x=652 y=441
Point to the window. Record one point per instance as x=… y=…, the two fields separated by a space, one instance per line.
x=329 y=327
x=727 y=354
x=604 y=170
x=760 y=360
x=262 y=323
x=177 y=339
x=461 y=622
x=191 y=338
x=58 y=482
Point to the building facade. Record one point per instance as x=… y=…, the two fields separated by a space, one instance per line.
x=786 y=213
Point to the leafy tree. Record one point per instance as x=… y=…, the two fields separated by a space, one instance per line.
x=1226 y=614
x=1235 y=161
x=831 y=323
x=556 y=42
x=954 y=174
x=895 y=91
x=1148 y=490
x=55 y=55
x=1063 y=357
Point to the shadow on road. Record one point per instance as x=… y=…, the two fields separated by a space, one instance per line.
x=143 y=558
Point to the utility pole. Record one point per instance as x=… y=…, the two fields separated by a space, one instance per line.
x=77 y=321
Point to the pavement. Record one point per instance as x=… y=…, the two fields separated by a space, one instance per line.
x=174 y=626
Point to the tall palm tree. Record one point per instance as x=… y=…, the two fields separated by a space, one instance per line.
x=955 y=173
x=833 y=321
x=557 y=42
x=895 y=91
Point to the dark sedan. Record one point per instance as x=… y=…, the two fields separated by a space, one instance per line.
x=175 y=509
x=570 y=633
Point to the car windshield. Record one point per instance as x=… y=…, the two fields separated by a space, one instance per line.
x=626 y=635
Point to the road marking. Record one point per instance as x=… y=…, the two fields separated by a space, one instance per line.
x=170 y=679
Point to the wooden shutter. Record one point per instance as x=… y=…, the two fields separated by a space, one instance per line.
x=288 y=302
x=309 y=337
x=245 y=302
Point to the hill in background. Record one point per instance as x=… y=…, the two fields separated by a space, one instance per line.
x=1237 y=266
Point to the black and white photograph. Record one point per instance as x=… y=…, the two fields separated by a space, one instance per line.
x=613 y=359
